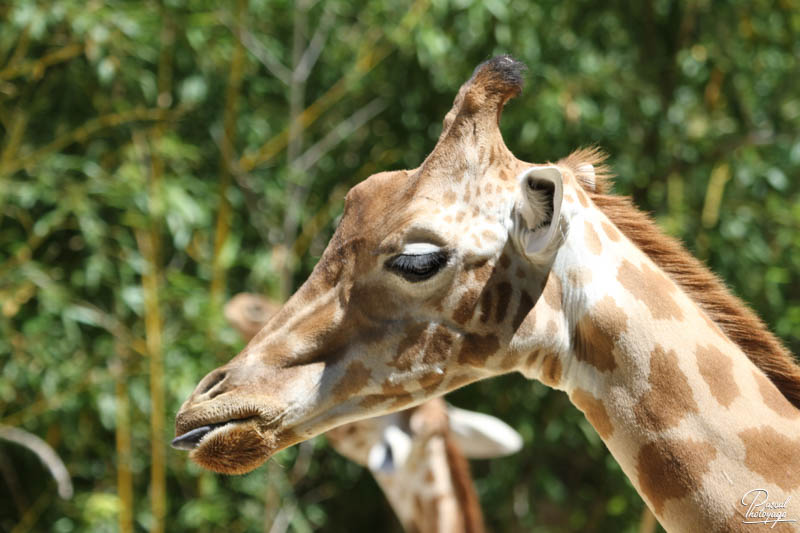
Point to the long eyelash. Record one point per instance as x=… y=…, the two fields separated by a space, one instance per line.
x=417 y=267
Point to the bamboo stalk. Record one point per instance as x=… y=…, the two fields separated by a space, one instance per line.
x=226 y=157
x=19 y=122
x=296 y=184
x=82 y=133
x=152 y=325
x=720 y=175
x=123 y=439
x=38 y=66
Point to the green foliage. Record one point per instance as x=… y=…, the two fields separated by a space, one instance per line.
x=115 y=118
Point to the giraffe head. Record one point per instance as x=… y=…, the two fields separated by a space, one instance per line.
x=386 y=444
x=426 y=283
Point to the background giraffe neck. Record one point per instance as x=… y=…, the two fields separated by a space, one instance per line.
x=435 y=494
x=689 y=417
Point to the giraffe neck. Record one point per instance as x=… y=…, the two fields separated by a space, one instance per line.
x=691 y=420
x=434 y=491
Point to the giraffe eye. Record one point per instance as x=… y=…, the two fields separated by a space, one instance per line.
x=417 y=267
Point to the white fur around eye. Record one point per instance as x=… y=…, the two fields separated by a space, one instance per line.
x=420 y=248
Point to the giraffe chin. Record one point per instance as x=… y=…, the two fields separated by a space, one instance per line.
x=235 y=448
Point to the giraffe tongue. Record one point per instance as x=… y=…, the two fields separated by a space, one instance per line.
x=190 y=439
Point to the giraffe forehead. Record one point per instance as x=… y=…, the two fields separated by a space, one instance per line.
x=395 y=210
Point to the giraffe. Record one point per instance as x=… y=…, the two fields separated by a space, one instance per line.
x=417 y=456
x=476 y=264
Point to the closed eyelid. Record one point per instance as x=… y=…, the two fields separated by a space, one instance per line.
x=420 y=248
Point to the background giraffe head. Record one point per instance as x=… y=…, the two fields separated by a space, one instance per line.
x=428 y=279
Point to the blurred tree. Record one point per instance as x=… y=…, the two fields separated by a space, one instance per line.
x=158 y=156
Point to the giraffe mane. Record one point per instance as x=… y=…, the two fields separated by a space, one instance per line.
x=734 y=317
x=463 y=486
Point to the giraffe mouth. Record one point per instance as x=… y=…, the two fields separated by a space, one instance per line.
x=191 y=439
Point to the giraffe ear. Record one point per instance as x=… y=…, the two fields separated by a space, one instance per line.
x=480 y=436
x=538 y=209
x=390 y=453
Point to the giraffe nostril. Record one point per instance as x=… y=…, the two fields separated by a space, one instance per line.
x=211 y=382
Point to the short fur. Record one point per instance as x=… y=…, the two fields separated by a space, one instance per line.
x=735 y=319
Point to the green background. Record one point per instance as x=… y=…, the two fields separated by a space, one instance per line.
x=156 y=158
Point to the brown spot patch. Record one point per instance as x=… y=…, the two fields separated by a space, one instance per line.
x=505 y=262
x=490 y=236
x=393 y=389
x=592 y=239
x=439 y=346
x=611 y=231
x=532 y=357
x=568 y=198
x=672 y=468
x=486 y=305
x=524 y=307
x=431 y=381
x=481 y=270
x=773 y=397
x=579 y=276
x=550 y=369
x=389 y=391
x=503 y=300
x=652 y=288
x=670 y=398
x=552 y=292
x=466 y=306
x=716 y=369
x=476 y=349
x=449 y=198
x=409 y=348
x=773 y=456
x=595 y=412
x=598 y=331
x=354 y=379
